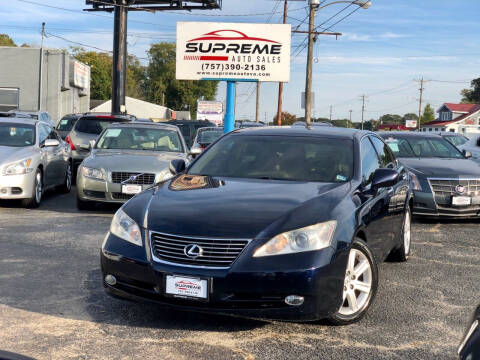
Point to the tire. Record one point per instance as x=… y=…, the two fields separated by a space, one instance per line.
x=360 y=285
x=36 y=199
x=401 y=253
x=67 y=184
x=84 y=205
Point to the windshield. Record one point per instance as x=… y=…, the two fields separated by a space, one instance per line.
x=427 y=147
x=456 y=140
x=17 y=135
x=278 y=157
x=208 y=136
x=140 y=139
x=66 y=124
x=94 y=125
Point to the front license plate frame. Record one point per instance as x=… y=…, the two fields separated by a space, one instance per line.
x=131 y=189
x=461 y=201
x=172 y=289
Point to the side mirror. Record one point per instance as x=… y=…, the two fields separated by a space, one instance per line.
x=195 y=151
x=177 y=166
x=92 y=144
x=383 y=178
x=51 y=142
x=84 y=147
x=467 y=154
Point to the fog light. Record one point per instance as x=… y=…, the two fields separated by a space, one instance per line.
x=294 y=300
x=110 y=280
x=4 y=190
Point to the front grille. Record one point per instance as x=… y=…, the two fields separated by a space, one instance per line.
x=121 y=196
x=144 y=179
x=216 y=252
x=448 y=186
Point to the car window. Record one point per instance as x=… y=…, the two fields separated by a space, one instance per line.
x=278 y=157
x=16 y=135
x=43 y=132
x=386 y=158
x=423 y=147
x=208 y=136
x=94 y=125
x=456 y=140
x=66 y=124
x=370 y=161
x=140 y=139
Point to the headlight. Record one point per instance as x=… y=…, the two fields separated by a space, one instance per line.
x=18 y=168
x=415 y=182
x=92 y=173
x=124 y=227
x=309 y=238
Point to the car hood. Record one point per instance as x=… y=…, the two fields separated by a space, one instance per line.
x=240 y=208
x=446 y=168
x=10 y=154
x=131 y=161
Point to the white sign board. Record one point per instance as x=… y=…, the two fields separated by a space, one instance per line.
x=210 y=110
x=233 y=51
x=411 y=124
x=80 y=75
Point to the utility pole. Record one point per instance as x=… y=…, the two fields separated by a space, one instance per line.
x=420 y=104
x=331 y=111
x=40 y=76
x=311 y=39
x=363 y=110
x=119 y=57
x=280 y=85
x=350 y=116
x=257 y=114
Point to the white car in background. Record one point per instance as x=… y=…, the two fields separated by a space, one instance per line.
x=472 y=145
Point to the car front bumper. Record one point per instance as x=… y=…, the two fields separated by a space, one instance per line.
x=234 y=291
x=17 y=186
x=426 y=204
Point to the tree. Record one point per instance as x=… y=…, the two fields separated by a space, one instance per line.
x=410 y=116
x=161 y=86
x=287 y=118
x=428 y=114
x=472 y=96
x=391 y=119
x=6 y=40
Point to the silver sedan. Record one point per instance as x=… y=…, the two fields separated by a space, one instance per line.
x=33 y=158
x=126 y=159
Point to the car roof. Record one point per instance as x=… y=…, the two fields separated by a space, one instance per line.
x=405 y=134
x=195 y=122
x=108 y=116
x=211 y=128
x=18 y=120
x=320 y=131
x=449 y=133
x=144 y=124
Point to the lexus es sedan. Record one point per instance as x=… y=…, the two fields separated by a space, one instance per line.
x=282 y=223
x=446 y=182
x=469 y=348
x=33 y=158
x=127 y=159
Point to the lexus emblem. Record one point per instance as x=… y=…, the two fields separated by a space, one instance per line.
x=460 y=189
x=193 y=251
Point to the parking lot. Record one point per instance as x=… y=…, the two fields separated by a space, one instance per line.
x=52 y=304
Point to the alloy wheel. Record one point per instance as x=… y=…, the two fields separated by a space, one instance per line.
x=406 y=232
x=358 y=283
x=38 y=188
x=69 y=177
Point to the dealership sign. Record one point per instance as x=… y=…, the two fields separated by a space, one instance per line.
x=411 y=124
x=233 y=51
x=210 y=110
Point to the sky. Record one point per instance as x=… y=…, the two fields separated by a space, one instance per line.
x=381 y=53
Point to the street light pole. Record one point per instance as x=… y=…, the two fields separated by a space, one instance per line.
x=119 y=57
x=308 y=87
x=280 y=85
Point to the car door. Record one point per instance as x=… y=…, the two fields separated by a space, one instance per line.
x=49 y=156
x=376 y=212
x=58 y=163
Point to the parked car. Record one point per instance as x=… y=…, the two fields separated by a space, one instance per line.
x=205 y=136
x=271 y=222
x=127 y=159
x=446 y=182
x=43 y=116
x=472 y=145
x=249 y=124
x=147 y=120
x=33 y=159
x=86 y=129
x=469 y=348
x=66 y=123
x=313 y=123
x=189 y=128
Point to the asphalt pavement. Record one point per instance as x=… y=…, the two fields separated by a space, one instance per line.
x=52 y=303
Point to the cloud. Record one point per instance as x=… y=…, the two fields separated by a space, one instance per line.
x=376 y=37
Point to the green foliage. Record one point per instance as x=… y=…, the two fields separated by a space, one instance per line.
x=391 y=119
x=287 y=119
x=472 y=96
x=161 y=84
x=345 y=123
x=428 y=114
x=410 y=116
x=6 y=40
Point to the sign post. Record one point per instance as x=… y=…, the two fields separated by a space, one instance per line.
x=233 y=52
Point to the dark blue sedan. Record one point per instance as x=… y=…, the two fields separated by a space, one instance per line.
x=282 y=223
